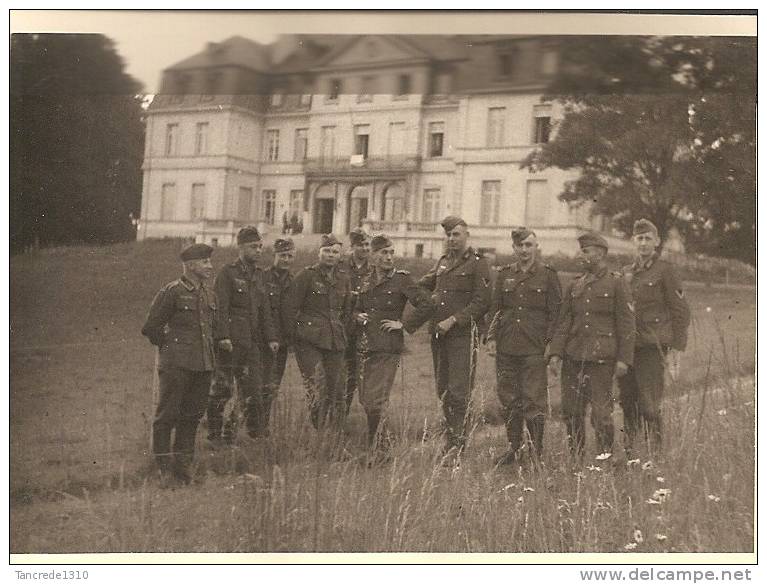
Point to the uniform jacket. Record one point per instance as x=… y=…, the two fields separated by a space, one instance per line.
x=596 y=322
x=182 y=323
x=459 y=287
x=525 y=308
x=245 y=314
x=662 y=313
x=317 y=308
x=385 y=299
x=357 y=275
x=276 y=283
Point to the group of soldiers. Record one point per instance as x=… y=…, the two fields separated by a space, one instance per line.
x=344 y=319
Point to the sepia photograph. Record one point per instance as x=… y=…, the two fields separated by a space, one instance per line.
x=379 y=286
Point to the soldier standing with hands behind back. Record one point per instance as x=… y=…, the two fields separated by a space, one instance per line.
x=182 y=325
x=594 y=341
x=459 y=285
x=246 y=323
x=662 y=318
x=525 y=306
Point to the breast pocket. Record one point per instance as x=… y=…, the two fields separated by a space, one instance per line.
x=603 y=302
x=649 y=291
x=536 y=296
x=461 y=282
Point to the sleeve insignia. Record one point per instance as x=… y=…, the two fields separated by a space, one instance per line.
x=680 y=293
x=486 y=282
x=632 y=306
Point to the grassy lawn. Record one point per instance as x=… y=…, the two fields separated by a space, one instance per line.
x=81 y=392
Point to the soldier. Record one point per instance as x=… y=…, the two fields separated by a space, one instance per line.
x=181 y=325
x=525 y=307
x=662 y=316
x=246 y=324
x=594 y=340
x=358 y=267
x=277 y=281
x=379 y=307
x=315 y=315
x=460 y=283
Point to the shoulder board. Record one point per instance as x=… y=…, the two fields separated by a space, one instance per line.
x=501 y=268
x=549 y=267
x=404 y=272
x=170 y=285
x=618 y=275
x=233 y=264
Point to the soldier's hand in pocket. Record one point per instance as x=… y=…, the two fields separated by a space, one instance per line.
x=274 y=346
x=621 y=369
x=445 y=325
x=225 y=345
x=491 y=347
x=391 y=325
x=555 y=363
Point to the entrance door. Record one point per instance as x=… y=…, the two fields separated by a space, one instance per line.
x=323 y=215
x=359 y=211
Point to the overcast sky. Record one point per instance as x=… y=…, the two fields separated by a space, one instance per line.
x=150 y=41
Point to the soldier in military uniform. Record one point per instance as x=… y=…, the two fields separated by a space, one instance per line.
x=315 y=316
x=594 y=341
x=525 y=307
x=459 y=285
x=246 y=324
x=662 y=318
x=277 y=280
x=358 y=267
x=182 y=324
x=377 y=314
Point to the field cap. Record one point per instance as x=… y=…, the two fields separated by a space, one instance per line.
x=521 y=234
x=380 y=242
x=285 y=244
x=451 y=221
x=592 y=238
x=358 y=236
x=328 y=239
x=645 y=226
x=248 y=234
x=196 y=251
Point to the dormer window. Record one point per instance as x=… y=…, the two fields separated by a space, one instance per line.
x=276 y=99
x=506 y=63
x=335 y=89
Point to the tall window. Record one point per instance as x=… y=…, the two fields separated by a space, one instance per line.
x=201 y=138
x=431 y=208
x=171 y=140
x=276 y=98
x=269 y=209
x=436 y=138
x=396 y=138
x=296 y=202
x=299 y=151
x=168 y=202
x=198 y=201
x=541 y=123
x=490 y=203
x=549 y=62
x=361 y=139
x=336 y=85
x=328 y=142
x=496 y=122
x=403 y=85
x=367 y=89
x=272 y=144
x=537 y=204
x=245 y=204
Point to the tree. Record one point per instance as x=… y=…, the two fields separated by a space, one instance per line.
x=77 y=136
x=662 y=128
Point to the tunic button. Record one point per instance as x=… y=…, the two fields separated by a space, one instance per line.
x=587 y=300
x=519 y=320
x=587 y=314
x=587 y=326
x=442 y=304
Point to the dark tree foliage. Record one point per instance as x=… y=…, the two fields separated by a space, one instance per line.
x=76 y=141
x=664 y=128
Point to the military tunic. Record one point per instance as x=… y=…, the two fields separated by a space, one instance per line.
x=182 y=324
x=595 y=329
x=459 y=287
x=525 y=306
x=382 y=296
x=662 y=317
x=358 y=276
x=315 y=317
x=246 y=320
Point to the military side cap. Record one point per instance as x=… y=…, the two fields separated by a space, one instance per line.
x=645 y=226
x=357 y=236
x=592 y=238
x=519 y=235
x=281 y=245
x=380 y=242
x=248 y=234
x=196 y=251
x=451 y=221
x=329 y=239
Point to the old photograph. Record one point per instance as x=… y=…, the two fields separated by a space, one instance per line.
x=374 y=282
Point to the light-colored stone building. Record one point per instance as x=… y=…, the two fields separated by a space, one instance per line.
x=326 y=133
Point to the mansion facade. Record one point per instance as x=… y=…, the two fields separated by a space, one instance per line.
x=325 y=133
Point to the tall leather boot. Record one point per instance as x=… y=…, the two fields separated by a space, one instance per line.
x=514 y=427
x=536 y=426
x=374 y=419
x=215 y=414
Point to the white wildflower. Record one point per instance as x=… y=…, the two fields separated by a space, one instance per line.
x=722 y=412
x=632 y=462
x=604 y=456
x=714 y=498
x=630 y=546
x=592 y=468
x=638 y=537
x=528 y=490
x=660 y=537
x=648 y=465
x=660 y=479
